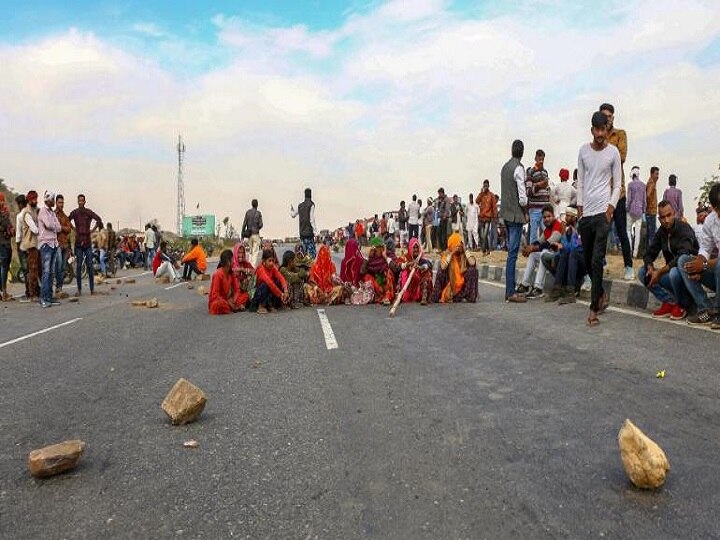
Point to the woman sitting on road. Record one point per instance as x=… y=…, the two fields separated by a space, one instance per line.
x=296 y=276
x=225 y=294
x=377 y=272
x=243 y=269
x=457 y=279
x=352 y=264
x=271 y=291
x=420 y=287
x=325 y=287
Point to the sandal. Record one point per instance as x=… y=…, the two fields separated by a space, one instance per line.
x=592 y=319
x=604 y=302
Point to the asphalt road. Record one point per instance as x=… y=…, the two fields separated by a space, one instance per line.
x=465 y=421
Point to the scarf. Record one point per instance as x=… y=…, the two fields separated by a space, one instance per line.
x=323 y=270
x=457 y=264
x=352 y=263
x=237 y=262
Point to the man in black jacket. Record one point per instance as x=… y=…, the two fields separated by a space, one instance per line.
x=251 y=227
x=674 y=238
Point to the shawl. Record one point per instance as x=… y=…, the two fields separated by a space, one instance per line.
x=457 y=264
x=323 y=270
x=351 y=265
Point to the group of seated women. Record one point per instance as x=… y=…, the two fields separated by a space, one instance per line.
x=378 y=278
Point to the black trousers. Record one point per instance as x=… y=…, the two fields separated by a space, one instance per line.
x=620 y=219
x=594 y=232
x=413 y=230
x=189 y=268
x=443 y=234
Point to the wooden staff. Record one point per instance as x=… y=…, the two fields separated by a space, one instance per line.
x=395 y=305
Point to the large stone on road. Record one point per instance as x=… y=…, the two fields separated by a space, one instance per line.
x=645 y=463
x=55 y=459
x=184 y=402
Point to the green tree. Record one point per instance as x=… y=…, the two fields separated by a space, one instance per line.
x=702 y=199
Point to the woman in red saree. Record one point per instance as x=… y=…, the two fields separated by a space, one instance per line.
x=225 y=294
x=420 y=287
x=377 y=272
x=352 y=264
x=324 y=286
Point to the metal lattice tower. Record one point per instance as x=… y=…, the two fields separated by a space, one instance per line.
x=180 y=186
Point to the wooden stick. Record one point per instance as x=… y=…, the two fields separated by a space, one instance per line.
x=402 y=292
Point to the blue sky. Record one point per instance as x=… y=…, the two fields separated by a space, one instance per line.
x=392 y=96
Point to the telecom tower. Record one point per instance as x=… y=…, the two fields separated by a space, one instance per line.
x=180 y=187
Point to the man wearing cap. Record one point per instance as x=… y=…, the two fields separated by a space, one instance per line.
x=83 y=219
x=636 y=208
x=563 y=194
x=29 y=244
x=49 y=227
x=598 y=191
x=306 y=222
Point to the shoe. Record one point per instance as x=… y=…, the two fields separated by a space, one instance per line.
x=664 y=311
x=678 y=313
x=587 y=284
x=77 y=294
x=261 y=310
x=568 y=297
x=535 y=292
x=716 y=323
x=516 y=299
x=522 y=289
x=629 y=274
x=44 y=304
x=701 y=318
x=54 y=302
x=555 y=294
x=24 y=300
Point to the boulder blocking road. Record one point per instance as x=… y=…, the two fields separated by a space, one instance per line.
x=465 y=421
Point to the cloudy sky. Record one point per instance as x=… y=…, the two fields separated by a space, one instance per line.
x=366 y=102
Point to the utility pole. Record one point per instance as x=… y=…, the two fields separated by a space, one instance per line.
x=180 y=213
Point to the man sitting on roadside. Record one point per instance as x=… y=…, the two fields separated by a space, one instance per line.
x=571 y=263
x=704 y=270
x=195 y=261
x=546 y=242
x=163 y=265
x=674 y=239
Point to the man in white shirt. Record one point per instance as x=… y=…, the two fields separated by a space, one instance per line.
x=414 y=218
x=597 y=195
x=473 y=224
x=563 y=194
x=149 y=247
x=704 y=269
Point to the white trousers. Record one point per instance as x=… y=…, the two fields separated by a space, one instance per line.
x=535 y=260
x=634 y=239
x=166 y=269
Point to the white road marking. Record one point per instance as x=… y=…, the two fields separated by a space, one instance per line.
x=625 y=311
x=28 y=336
x=330 y=341
x=173 y=286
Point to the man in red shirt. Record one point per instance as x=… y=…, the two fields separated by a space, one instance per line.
x=271 y=290
x=549 y=236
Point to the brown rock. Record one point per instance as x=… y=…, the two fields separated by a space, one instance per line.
x=184 y=402
x=74 y=300
x=55 y=459
x=202 y=290
x=118 y=282
x=138 y=303
x=163 y=279
x=191 y=286
x=645 y=463
x=62 y=295
x=99 y=279
x=129 y=280
x=204 y=277
x=152 y=303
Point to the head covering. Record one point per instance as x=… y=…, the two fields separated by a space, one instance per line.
x=570 y=211
x=31 y=195
x=414 y=242
x=454 y=241
x=322 y=270
x=457 y=264
x=352 y=263
x=390 y=248
x=564 y=174
x=49 y=196
x=237 y=263
x=376 y=242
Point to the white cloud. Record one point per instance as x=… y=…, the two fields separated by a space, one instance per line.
x=396 y=100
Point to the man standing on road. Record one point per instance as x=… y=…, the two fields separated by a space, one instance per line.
x=618 y=138
x=29 y=244
x=513 y=201
x=674 y=239
x=473 y=215
x=652 y=204
x=306 y=223
x=487 y=207
x=704 y=269
x=443 y=208
x=21 y=202
x=7 y=232
x=414 y=218
x=49 y=227
x=83 y=219
x=674 y=196
x=599 y=167
x=428 y=224
x=149 y=247
x=402 y=223
x=252 y=224
x=538 y=193
x=563 y=194
x=636 y=207
x=63 y=249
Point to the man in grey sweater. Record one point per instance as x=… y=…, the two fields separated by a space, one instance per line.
x=252 y=224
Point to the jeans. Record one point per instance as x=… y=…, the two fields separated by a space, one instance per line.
x=634 y=227
x=536 y=223
x=594 y=233
x=189 y=268
x=5 y=257
x=86 y=254
x=651 y=221
x=620 y=219
x=710 y=278
x=265 y=297
x=102 y=256
x=534 y=261
x=61 y=257
x=47 y=260
x=22 y=256
x=670 y=289
x=493 y=236
x=414 y=230
x=570 y=268
x=485 y=240
x=514 y=232
x=149 y=256
x=308 y=244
